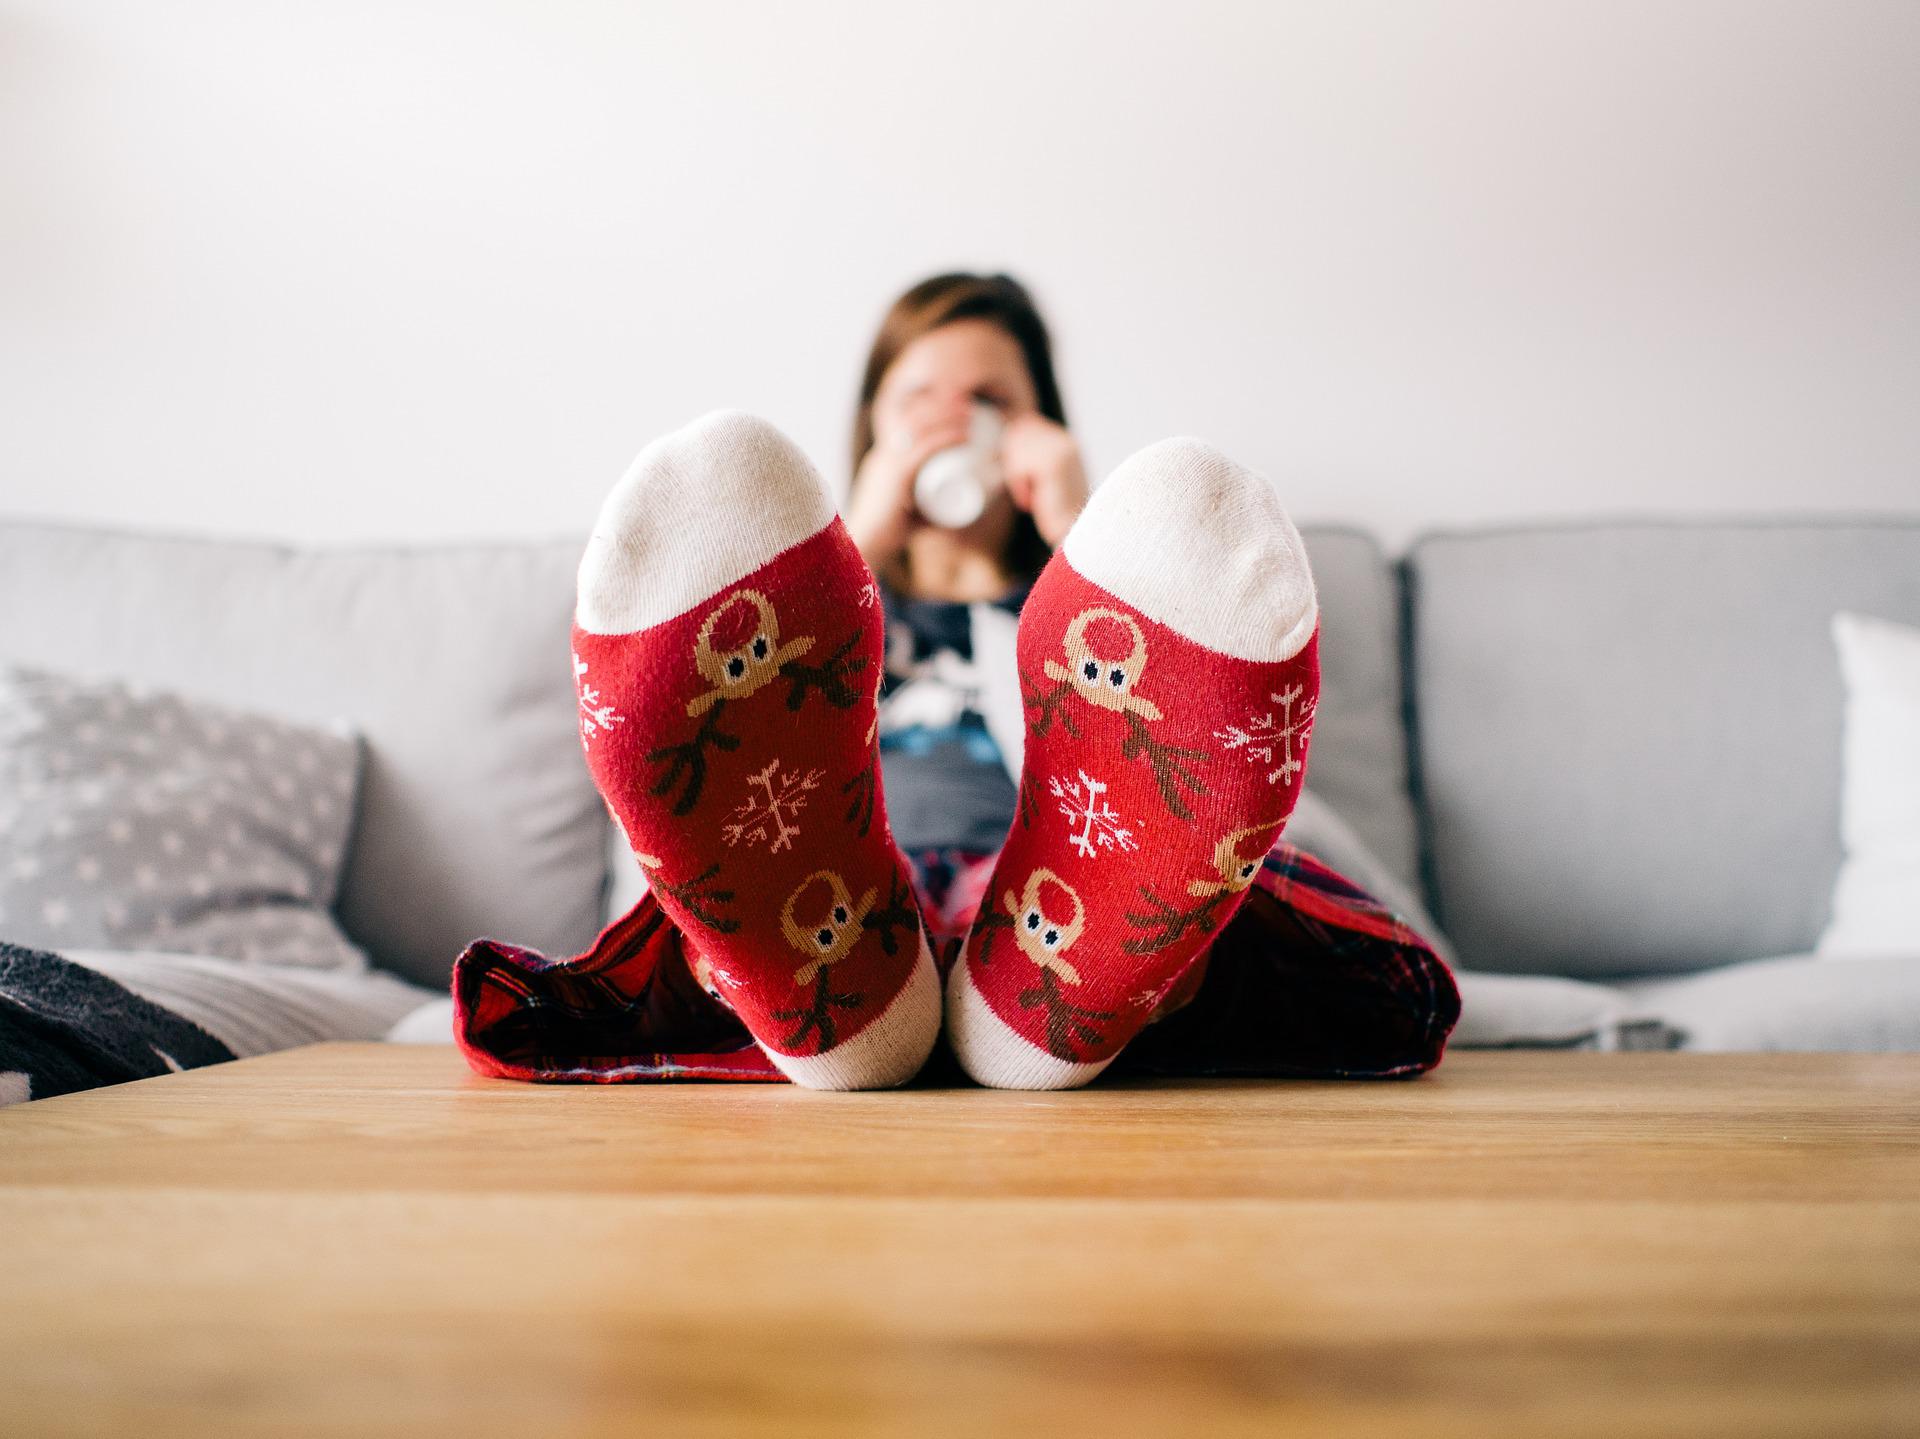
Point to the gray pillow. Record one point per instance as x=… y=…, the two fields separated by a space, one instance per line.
x=134 y=819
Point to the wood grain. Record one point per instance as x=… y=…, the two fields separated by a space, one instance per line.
x=369 y=1239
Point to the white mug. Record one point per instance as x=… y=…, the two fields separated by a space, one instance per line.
x=954 y=485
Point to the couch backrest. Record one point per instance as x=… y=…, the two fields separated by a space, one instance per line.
x=1627 y=736
x=1358 y=760
x=476 y=814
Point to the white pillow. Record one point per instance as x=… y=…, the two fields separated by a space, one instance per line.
x=1876 y=901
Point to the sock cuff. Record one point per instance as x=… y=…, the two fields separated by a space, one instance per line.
x=655 y=551
x=1179 y=511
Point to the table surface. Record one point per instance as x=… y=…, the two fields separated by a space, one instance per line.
x=367 y=1238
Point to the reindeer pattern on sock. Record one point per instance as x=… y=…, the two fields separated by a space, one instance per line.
x=713 y=706
x=823 y=936
x=1108 y=682
x=1235 y=864
x=737 y=673
x=1122 y=720
x=1043 y=935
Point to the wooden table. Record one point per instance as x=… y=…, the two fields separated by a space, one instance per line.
x=357 y=1239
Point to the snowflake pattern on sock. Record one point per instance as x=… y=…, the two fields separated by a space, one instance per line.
x=1278 y=730
x=1099 y=824
x=596 y=715
x=746 y=776
x=1129 y=742
x=772 y=816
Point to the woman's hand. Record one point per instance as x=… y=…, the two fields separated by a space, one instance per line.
x=880 y=512
x=1044 y=474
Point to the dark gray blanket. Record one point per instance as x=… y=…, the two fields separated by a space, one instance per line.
x=64 y=1027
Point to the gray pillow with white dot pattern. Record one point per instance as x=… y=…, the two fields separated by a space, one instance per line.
x=135 y=819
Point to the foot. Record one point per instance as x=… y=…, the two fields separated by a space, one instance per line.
x=727 y=653
x=1169 y=660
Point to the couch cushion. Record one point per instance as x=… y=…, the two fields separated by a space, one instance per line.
x=1797 y=1002
x=1537 y=1011
x=1628 y=736
x=476 y=815
x=1358 y=760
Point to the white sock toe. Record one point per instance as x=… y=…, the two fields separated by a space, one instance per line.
x=1181 y=510
x=655 y=551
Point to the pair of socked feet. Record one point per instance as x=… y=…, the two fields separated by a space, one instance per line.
x=728 y=649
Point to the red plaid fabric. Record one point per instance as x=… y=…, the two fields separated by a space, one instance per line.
x=1311 y=978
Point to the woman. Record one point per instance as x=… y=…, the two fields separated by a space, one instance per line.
x=948 y=345
x=1140 y=912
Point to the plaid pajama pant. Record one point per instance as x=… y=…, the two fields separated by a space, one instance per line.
x=1311 y=978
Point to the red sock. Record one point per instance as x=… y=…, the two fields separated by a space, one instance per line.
x=727 y=653
x=1170 y=665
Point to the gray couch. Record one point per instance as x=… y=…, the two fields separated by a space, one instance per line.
x=1605 y=757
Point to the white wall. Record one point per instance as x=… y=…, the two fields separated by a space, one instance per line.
x=392 y=271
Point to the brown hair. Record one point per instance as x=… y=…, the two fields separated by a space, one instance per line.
x=1001 y=300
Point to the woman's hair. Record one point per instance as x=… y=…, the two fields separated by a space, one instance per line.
x=1000 y=300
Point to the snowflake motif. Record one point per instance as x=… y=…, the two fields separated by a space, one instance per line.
x=869 y=595
x=1100 y=826
x=595 y=713
x=1281 y=731
x=771 y=817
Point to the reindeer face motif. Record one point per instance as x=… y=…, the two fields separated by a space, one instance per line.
x=1105 y=680
x=741 y=669
x=1235 y=867
x=827 y=938
x=1044 y=938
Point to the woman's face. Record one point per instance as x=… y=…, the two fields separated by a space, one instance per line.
x=939 y=376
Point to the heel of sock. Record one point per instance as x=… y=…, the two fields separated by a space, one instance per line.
x=887 y=1052
x=993 y=1054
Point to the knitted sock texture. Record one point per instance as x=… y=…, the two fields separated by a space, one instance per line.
x=1170 y=668
x=727 y=656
